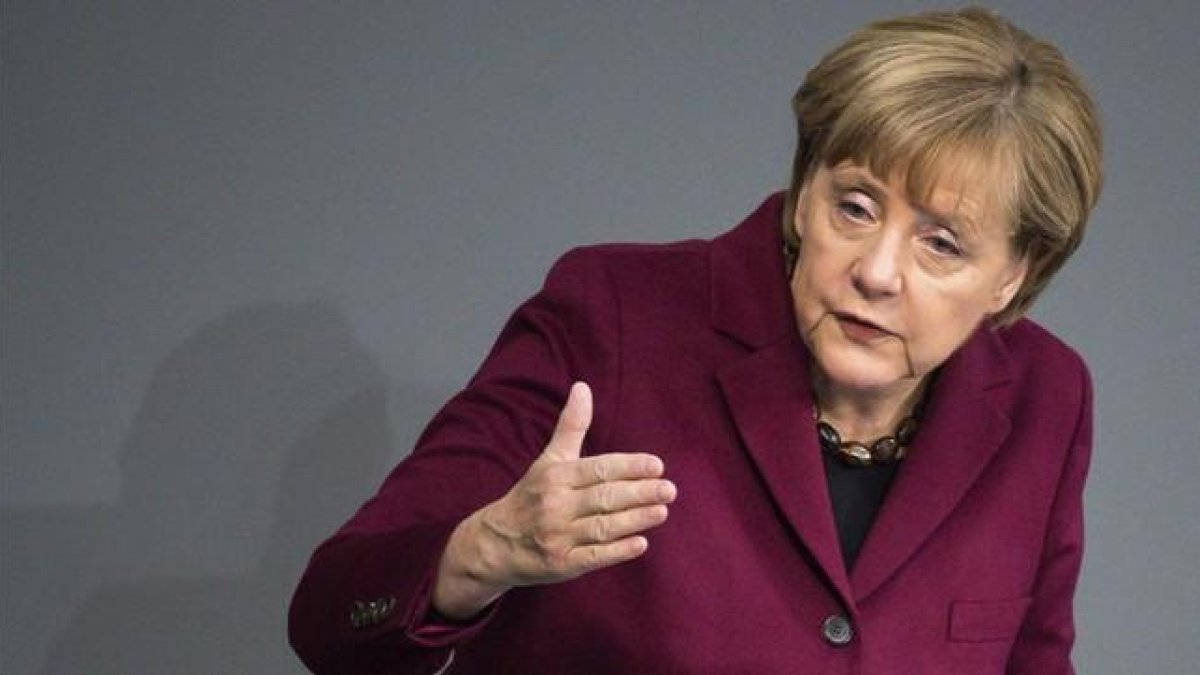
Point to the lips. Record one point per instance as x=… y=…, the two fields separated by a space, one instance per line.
x=859 y=329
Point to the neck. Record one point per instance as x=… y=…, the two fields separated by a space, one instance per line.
x=866 y=414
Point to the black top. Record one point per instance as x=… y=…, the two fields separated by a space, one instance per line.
x=856 y=493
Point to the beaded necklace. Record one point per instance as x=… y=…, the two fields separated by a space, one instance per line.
x=883 y=450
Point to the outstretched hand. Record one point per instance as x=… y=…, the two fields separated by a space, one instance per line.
x=565 y=517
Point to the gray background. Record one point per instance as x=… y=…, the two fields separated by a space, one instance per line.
x=248 y=249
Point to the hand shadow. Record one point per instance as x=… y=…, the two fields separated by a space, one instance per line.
x=256 y=438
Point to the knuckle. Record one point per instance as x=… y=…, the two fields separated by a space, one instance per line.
x=552 y=549
x=594 y=558
x=601 y=529
x=601 y=471
x=541 y=542
x=552 y=554
x=606 y=498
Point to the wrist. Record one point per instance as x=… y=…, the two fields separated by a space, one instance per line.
x=464 y=585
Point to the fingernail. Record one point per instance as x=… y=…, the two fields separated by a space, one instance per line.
x=667 y=492
x=656 y=466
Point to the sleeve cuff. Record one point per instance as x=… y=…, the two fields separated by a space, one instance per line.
x=428 y=628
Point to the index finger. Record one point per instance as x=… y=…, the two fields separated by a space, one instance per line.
x=614 y=466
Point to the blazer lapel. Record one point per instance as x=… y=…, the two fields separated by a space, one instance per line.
x=767 y=388
x=768 y=398
x=963 y=427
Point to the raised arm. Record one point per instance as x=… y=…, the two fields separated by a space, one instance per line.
x=496 y=494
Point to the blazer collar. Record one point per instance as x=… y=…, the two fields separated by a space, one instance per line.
x=769 y=397
x=751 y=302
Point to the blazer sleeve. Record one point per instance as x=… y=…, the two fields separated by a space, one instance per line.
x=1043 y=646
x=470 y=454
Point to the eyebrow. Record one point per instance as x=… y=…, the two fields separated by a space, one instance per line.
x=857 y=178
x=958 y=221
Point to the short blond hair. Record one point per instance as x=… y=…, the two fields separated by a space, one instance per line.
x=926 y=93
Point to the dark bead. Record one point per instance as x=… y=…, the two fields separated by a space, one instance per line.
x=830 y=439
x=856 y=453
x=884 y=449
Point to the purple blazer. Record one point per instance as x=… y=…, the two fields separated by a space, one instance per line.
x=692 y=354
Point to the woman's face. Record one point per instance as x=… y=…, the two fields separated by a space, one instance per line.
x=886 y=289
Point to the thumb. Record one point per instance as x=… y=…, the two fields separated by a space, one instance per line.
x=567 y=440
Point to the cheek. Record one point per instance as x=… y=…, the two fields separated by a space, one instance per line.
x=818 y=267
x=807 y=289
x=940 y=326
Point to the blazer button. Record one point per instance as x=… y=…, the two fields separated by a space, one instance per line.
x=358 y=615
x=367 y=614
x=837 y=630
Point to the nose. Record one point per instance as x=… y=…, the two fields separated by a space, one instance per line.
x=877 y=273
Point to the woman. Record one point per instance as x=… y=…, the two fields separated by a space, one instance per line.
x=871 y=463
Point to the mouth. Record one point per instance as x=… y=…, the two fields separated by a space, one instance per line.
x=859 y=329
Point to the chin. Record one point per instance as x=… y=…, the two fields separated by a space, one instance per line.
x=866 y=380
x=862 y=372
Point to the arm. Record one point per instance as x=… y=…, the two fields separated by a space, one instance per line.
x=1044 y=644
x=425 y=535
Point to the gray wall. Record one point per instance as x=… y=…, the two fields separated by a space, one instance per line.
x=249 y=247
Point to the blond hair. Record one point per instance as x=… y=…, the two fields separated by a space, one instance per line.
x=953 y=91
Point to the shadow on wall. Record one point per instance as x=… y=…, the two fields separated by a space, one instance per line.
x=257 y=437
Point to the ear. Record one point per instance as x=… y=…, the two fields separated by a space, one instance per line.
x=1010 y=283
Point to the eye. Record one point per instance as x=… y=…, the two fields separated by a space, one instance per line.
x=857 y=207
x=943 y=243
